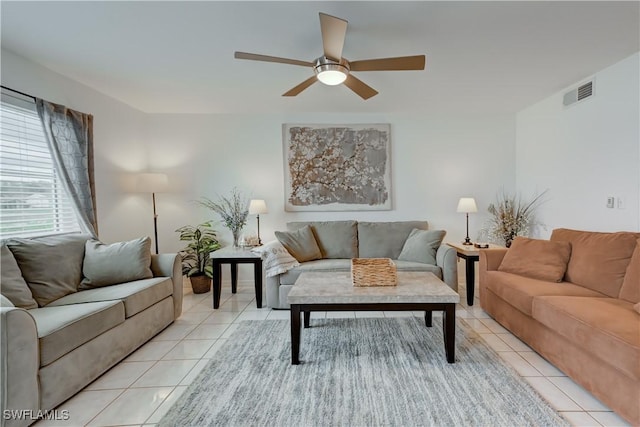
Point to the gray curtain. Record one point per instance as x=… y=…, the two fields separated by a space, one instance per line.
x=69 y=135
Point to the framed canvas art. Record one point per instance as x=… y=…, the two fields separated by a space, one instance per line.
x=337 y=167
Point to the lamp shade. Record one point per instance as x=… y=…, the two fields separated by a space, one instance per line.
x=467 y=205
x=152 y=182
x=257 y=206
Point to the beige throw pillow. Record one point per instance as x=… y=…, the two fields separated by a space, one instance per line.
x=51 y=266
x=301 y=244
x=116 y=263
x=537 y=259
x=422 y=245
x=12 y=284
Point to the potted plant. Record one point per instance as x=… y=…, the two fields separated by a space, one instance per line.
x=233 y=210
x=195 y=257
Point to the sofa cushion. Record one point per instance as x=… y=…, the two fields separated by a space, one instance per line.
x=12 y=284
x=51 y=266
x=418 y=266
x=630 y=290
x=301 y=244
x=290 y=277
x=336 y=239
x=605 y=327
x=537 y=259
x=5 y=302
x=519 y=291
x=385 y=239
x=120 y=262
x=422 y=245
x=136 y=296
x=598 y=261
x=64 y=328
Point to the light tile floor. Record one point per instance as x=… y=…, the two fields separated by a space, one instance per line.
x=141 y=388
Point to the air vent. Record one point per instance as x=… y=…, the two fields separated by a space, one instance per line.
x=580 y=93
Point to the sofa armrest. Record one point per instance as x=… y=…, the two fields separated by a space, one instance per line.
x=19 y=361
x=490 y=259
x=446 y=259
x=170 y=265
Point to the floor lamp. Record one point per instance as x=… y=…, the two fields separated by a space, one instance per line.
x=153 y=183
x=257 y=207
x=467 y=205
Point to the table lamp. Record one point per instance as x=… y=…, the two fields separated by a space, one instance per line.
x=257 y=207
x=467 y=205
x=152 y=183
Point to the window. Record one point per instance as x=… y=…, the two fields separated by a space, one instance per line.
x=32 y=199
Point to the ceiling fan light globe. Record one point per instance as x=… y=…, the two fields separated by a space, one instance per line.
x=332 y=77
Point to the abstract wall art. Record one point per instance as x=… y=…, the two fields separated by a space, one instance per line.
x=337 y=167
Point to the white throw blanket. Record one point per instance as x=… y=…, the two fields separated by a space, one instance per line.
x=276 y=259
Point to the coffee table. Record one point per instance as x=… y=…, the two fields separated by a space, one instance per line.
x=334 y=291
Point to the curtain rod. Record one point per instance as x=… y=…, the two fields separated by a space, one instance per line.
x=18 y=92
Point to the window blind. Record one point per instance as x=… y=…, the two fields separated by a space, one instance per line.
x=33 y=201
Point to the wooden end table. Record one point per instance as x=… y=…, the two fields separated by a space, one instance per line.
x=235 y=256
x=471 y=255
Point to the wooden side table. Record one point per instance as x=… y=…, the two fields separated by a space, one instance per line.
x=471 y=255
x=235 y=256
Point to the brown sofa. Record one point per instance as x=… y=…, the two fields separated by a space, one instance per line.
x=586 y=323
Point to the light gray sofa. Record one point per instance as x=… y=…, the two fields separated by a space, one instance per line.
x=53 y=350
x=340 y=241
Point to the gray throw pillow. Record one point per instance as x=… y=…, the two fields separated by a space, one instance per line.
x=51 y=266
x=12 y=284
x=422 y=245
x=301 y=244
x=116 y=263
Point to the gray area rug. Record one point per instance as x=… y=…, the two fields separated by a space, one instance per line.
x=358 y=372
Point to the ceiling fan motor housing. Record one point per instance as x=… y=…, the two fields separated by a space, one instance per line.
x=331 y=72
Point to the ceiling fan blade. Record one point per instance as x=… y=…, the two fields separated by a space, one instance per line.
x=265 y=58
x=302 y=86
x=334 y=31
x=358 y=86
x=416 y=62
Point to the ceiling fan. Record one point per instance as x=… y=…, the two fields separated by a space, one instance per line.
x=332 y=69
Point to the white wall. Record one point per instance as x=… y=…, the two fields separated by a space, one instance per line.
x=435 y=160
x=119 y=144
x=584 y=153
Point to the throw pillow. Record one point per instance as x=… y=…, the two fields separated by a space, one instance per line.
x=637 y=307
x=300 y=244
x=630 y=290
x=51 y=266
x=116 y=263
x=12 y=284
x=422 y=245
x=538 y=259
x=276 y=259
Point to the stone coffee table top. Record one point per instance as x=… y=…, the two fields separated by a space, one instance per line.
x=337 y=288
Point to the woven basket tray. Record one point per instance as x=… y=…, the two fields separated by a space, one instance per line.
x=373 y=272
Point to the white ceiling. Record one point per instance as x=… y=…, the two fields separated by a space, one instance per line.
x=177 y=57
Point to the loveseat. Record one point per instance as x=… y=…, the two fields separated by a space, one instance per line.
x=69 y=313
x=340 y=241
x=575 y=299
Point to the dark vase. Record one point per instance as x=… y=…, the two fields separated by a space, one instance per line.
x=201 y=284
